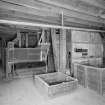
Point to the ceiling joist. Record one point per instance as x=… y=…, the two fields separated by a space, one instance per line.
x=78 y=13
x=30 y=11
x=76 y=5
x=45 y=25
x=98 y=3
x=49 y=8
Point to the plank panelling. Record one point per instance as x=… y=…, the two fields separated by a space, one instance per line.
x=90 y=41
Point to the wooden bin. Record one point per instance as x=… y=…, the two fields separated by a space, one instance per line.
x=102 y=82
x=96 y=79
x=93 y=81
x=55 y=83
x=80 y=72
x=89 y=76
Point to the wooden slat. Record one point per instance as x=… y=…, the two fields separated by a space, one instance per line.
x=71 y=21
x=98 y=3
x=62 y=52
x=76 y=5
x=30 y=18
x=23 y=9
x=55 y=9
x=65 y=83
x=34 y=24
x=81 y=21
x=94 y=77
x=66 y=12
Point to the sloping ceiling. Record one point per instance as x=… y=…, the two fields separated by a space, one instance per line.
x=78 y=13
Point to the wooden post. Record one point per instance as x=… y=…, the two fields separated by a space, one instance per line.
x=19 y=37
x=2 y=54
x=26 y=40
x=63 y=51
x=9 y=63
x=62 y=47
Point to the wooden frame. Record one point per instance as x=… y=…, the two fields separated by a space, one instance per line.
x=44 y=82
x=94 y=77
x=80 y=72
x=46 y=25
x=21 y=55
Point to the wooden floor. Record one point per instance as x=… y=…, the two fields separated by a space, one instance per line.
x=24 y=92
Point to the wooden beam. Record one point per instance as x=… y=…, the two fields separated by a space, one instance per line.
x=47 y=19
x=8 y=14
x=81 y=21
x=11 y=14
x=98 y=3
x=45 y=8
x=33 y=24
x=6 y=35
x=70 y=24
x=50 y=21
x=30 y=18
x=12 y=28
x=15 y=15
x=76 y=5
x=7 y=28
x=15 y=7
x=30 y=28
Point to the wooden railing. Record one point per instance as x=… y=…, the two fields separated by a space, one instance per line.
x=27 y=54
x=22 y=55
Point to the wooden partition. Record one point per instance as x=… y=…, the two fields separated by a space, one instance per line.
x=24 y=55
x=91 y=76
x=87 y=47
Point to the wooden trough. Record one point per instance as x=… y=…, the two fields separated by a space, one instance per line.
x=53 y=84
x=90 y=76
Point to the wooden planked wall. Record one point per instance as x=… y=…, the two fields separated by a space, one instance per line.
x=59 y=49
x=90 y=41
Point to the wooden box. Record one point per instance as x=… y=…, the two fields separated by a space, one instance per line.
x=80 y=72
x=96 y=79
x=93 y=78
x=102 y=82
x=90 y=76
x=55 y=83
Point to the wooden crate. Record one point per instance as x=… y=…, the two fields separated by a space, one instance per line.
x=89 y=76
x=102 y=83
x=93 y=80
x=96 y=79
x=80 y=72
x=55 y=83
x=81 y=75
